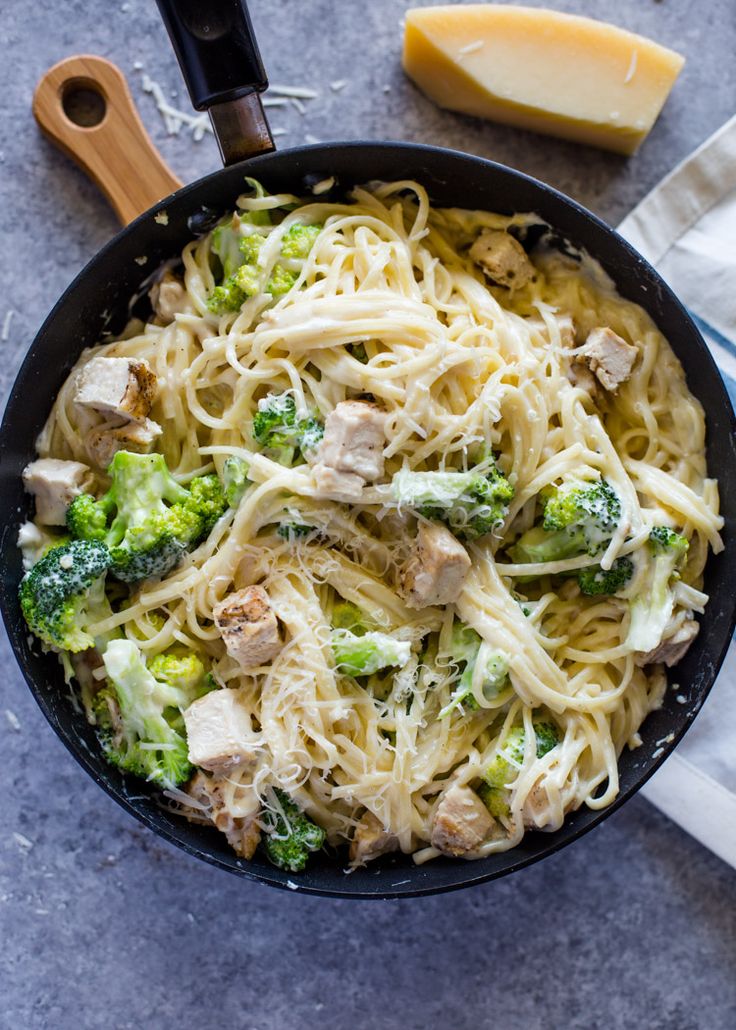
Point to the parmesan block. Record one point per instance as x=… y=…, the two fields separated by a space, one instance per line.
x=555 y=73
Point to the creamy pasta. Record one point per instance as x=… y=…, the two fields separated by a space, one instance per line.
x=388 y=307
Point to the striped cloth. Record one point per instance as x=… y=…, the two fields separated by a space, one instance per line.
x=686 y=227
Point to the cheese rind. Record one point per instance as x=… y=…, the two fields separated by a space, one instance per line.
x=538 y=69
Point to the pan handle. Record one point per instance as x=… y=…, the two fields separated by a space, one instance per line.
x=103 y=134
x=219 y=58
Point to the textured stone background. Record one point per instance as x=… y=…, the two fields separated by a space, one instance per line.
x=104 y=926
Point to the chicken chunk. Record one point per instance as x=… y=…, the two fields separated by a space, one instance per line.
x=242 y=831
x=580 y=375
x=169 y=298
x=354 y=439
x=117 y=386
x=461 y=822
x=55 y=484
x=538 y=813
x=337 y=486
x=219 y=732
x=610 y=357
x=370 y=840
x=249 y=627
x=674 y=648
x=103 y=444
x=502 y=258
x=436 y=571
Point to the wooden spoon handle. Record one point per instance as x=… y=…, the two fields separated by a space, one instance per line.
x=116 y=152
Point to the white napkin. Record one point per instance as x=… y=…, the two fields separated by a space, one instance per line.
x=686 y=227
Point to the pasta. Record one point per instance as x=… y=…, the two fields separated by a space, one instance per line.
x=387 y=307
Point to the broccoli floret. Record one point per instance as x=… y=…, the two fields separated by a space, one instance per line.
x=346 y=615
x=368 y=653
x=239 y=257
x=138 y=714
x=281 y=281
x=311 y=431
x=578 y=519
x=250 y=248
x=280 y=433
x=64 y=594
x=146 y=519
x=234 y=480
x=470 y=503
x=652 y=607
x=292 y=835
x=358 y=351
x=298 y=241
x=465 y=645
x=507 y=762
x=182 y=671
x=595 y=581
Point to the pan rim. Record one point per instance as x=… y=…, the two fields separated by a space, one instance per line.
x=465 y=876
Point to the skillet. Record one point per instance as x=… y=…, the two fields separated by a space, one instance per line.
x=220 y=60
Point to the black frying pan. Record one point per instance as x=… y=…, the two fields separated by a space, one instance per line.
x=221 y=66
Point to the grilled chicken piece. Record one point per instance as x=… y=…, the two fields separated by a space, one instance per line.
x=54 y=484
x=249 y=627
x=121 y=387
x=610 y=357
x=370 y=840
x=103 y=444
x=219 y=732
x=337 y=486
x=437 y=569
x=502 y=258
x=461 y=822
x=243 y=832
x=169 y=298
x=354 y=439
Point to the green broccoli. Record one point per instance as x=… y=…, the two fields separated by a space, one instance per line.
x=182 y=670
x=579 y=518
x=652 y=607
x=368 y=653
x=138 y=712
x=507 y=762
x=281 y=280
x=64 y=594
x=595 y=581
x=465 y=645
x=346 y=615
x=298 y=241
x=239 y=256
x=291 y=836
x=280 y=433
x=234 y=480
x=358 y=351
x=146 y=519
x=236 y=253
x=470 y=503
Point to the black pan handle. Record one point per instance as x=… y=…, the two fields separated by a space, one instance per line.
x=222 y=67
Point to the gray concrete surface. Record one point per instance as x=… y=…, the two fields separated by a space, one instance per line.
x=102 y=925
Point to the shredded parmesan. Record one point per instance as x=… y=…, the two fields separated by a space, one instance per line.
x=5 y=333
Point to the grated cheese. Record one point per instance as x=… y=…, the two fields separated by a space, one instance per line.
x=12 y=719
x=6 y=324
x=300 y=92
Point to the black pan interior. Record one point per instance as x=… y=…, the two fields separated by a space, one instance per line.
x=98 y=301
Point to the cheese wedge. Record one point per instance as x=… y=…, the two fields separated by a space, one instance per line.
x=554 y=73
